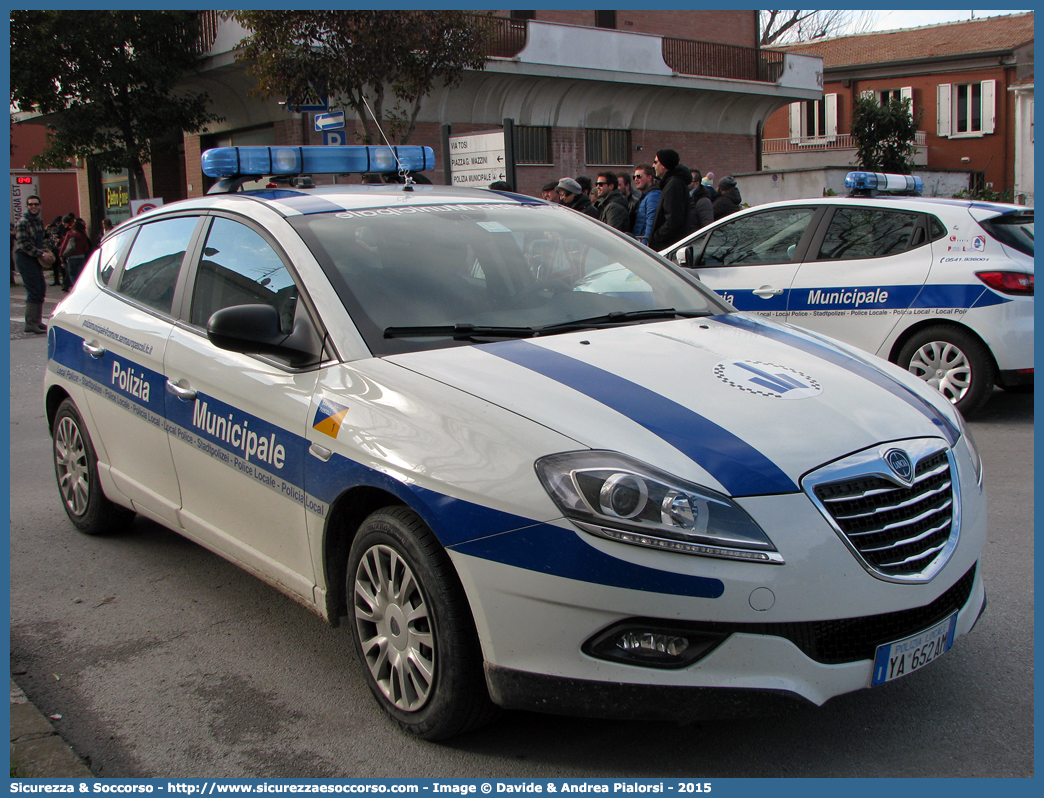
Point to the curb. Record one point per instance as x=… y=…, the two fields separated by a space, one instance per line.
x=36 y=749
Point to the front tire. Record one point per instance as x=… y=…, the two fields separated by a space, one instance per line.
x=954 y=362
x=412 y=628
x=76 y=469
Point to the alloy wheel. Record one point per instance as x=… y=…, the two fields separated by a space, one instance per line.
x=71 y=464
x=395 y=628
x=943 y=366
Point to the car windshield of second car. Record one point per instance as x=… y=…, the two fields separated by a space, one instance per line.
x=448 y=275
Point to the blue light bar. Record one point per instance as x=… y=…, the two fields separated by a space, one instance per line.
x=876 y=181
x=231 y=162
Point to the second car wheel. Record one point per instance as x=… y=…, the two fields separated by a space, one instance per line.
x=412 y=628
x=953 y=361
x=76 y=469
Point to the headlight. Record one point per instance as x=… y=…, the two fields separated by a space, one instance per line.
x=616 y=497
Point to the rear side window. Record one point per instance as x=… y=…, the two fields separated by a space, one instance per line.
x=150 y=274
x=860 y=233
x=1014 y=230
x=757 y=238
x=238 y=267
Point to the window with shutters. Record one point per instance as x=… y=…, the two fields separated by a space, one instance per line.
x=607 y=147
x=814 y=121
x=905 y=93
x=966 y=109
x=532 y=144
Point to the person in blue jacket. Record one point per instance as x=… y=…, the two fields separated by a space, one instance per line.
x=645 y=181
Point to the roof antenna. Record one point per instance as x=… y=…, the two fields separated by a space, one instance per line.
x=404 y=173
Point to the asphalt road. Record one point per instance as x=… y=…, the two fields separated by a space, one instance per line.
x=164 y=660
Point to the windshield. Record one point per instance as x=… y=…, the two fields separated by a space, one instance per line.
x=499 y=270
x=1014 y=230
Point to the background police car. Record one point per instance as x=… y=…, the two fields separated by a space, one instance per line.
x=898 y=277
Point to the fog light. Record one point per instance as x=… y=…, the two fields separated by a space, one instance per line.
x=652 y=644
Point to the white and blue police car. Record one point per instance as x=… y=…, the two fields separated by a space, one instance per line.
x=943 y=288
x=526 y=461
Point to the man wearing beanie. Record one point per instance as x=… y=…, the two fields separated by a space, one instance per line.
x=728 y=199
x=672 y=213
x=572 y=196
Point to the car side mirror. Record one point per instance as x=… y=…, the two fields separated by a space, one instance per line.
x=256 y=330
x=683 y=257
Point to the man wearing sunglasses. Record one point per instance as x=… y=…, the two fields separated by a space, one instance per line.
x=32 y=258
x=645 y=182
x=612 y=207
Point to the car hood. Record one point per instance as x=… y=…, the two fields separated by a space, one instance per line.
x=733 y=402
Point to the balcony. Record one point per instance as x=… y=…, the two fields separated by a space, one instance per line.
x=836 y=150
x=509 y=38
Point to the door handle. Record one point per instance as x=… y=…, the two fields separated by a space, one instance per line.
x=94 y=350
x=184 y=394
x=319 y=451
x=767 y=291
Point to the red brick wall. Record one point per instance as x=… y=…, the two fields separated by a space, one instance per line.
x=193 y=171
x=721 y=154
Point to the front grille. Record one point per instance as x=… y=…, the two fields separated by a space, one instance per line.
x=848 y=639
x=854 y=639
x=897 y=530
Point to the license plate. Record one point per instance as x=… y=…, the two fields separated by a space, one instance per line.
x=906 y=656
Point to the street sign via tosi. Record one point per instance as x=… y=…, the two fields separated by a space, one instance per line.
x=478 y=160
x=331 y=121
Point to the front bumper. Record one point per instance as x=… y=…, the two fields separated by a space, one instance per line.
x=759 y=671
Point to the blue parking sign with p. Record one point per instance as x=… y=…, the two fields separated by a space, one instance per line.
x=333 y=137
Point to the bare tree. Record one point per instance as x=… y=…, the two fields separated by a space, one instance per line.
x=788 y=27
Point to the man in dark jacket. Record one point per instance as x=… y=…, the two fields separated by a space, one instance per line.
x=31 y=256
x=729 y=199
x=572 y=196
x=672 y=213
x=701 y=213
x=612 y=207
x=630 y=194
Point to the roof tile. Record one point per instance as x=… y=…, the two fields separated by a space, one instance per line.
x=931 y=41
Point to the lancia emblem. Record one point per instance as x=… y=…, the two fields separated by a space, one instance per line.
x=899 y=462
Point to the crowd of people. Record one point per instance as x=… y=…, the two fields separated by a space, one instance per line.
x=659 y=204
x=60 y=247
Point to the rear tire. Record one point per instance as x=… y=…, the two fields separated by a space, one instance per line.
x=412 y=628
x=76 y=469
x=954 y=362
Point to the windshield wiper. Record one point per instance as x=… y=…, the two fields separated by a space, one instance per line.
x=459 y=332
x=619 y=317
x=467 y=332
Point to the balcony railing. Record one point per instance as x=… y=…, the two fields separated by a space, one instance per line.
x=713 y=60
x=844 y=141
x=507 y=37
x=208 y=25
